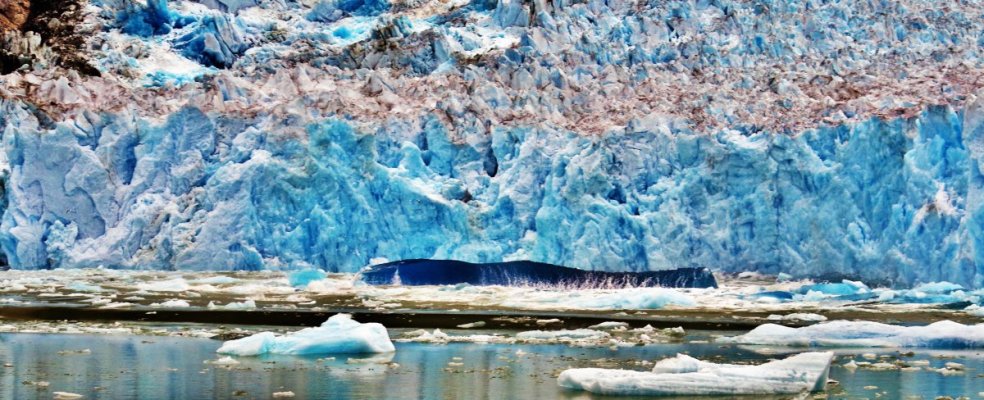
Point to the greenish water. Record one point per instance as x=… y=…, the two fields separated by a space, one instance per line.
x=137 y=367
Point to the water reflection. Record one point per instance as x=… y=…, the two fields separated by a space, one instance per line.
x=133 y=367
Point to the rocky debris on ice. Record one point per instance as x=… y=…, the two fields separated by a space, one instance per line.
x=942 y=334
x=684 y=375
x=339 y=334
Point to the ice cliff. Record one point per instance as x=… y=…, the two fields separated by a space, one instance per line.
x=822 y=139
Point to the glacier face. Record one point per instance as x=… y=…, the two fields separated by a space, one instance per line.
x=622 y=136
x=884 y=201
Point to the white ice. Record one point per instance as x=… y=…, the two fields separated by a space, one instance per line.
x=684 y=375
x=942 y=334
x=339 y=334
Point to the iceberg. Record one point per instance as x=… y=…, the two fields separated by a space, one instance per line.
x=940 y=335
x=684 y=375
x=526 y=273
x=340 y=334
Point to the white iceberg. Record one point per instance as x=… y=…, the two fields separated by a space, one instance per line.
x=685 y=375
x=942 y=334
x=339 y=334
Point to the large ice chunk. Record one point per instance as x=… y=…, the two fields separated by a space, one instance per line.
x=942 y=334
x=340 y=334
x=685 y=375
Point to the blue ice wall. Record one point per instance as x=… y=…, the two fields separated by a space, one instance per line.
x=895 y=201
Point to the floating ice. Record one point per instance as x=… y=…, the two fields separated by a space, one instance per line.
x=240 y=305
x=575 y=334
x=942 y=334
x=339 y=334
x=810 y=317
x=301 y=278
x=171 y=285
x=631 y=299
x=172 y=304
x=685 y=375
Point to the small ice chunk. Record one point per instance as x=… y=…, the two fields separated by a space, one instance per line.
x=83 y=287
x=283 y=395
x=339 y=334
x=563 y=334
x=478 y=324
x=542 y=322
x=172 y=304
x=942 y=334
x=954 y=366
x=224 y=361
x=808 y=317
x=66 y=396
x=300 y=279
x=609 y=325
x=242 y=305
x=685 y=375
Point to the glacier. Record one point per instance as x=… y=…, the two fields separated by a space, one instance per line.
x=218 y=137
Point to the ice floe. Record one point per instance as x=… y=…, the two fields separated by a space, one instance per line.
x=339 y=334
x=942 y=334
x=685 y=375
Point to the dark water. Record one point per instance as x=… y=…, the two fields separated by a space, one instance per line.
x=135 y=367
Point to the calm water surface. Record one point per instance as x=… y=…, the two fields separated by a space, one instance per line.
x=135 y=367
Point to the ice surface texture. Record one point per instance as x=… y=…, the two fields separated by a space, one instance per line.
x=942 y=335
x=340 y=334
x=204 y=192
x=685 y=375
x=442 y=272
x=609 y=136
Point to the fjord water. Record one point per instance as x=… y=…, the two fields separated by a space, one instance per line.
x=145 y=367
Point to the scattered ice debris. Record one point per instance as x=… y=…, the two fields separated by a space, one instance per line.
x=215 y=280
x=684 y=375
x=83 y=287
x=628 y=299
x=942 y=334
x=339 y=334
x=301 y=278
x=40 y=384
x=242 y=305
x=172 y=304
x=808 y=317
x=172 y=285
